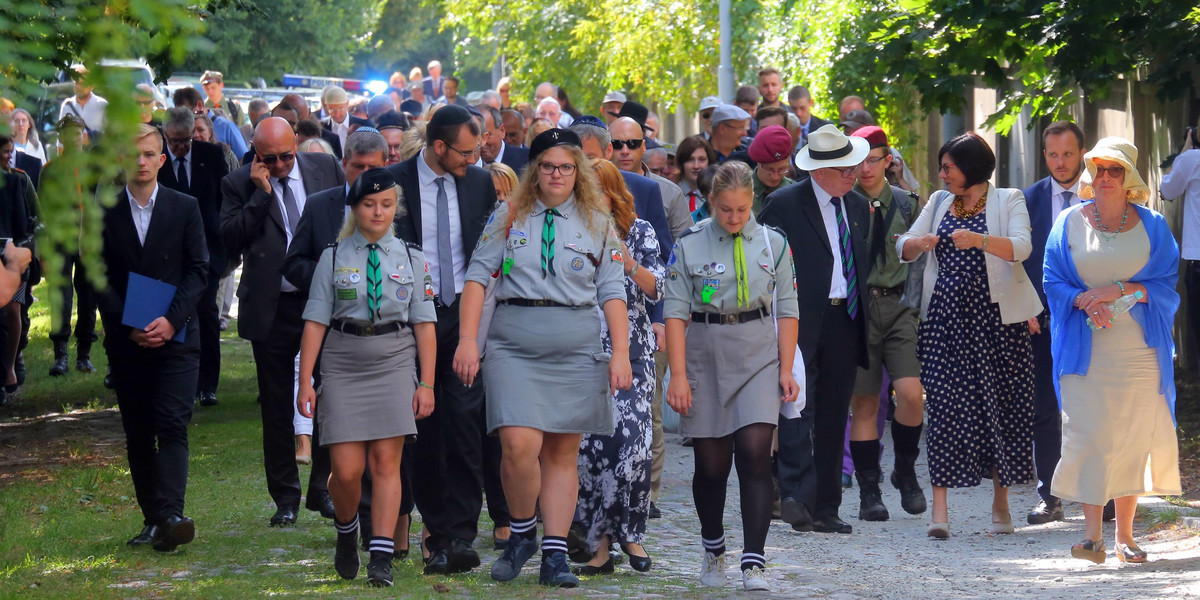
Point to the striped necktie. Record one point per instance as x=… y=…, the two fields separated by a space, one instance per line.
x=548 y=243
x=847 y=259
x=374 y=282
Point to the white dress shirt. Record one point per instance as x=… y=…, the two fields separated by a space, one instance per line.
x=173 y=164
x=297 y=185
x=1056 y=198
x=837 y=283
x=92 y=111
x=500 y=154
x=142 y=214
x=342 y=129
x=1184 y=181
x=429 y=230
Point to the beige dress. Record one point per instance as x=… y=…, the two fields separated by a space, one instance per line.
x=1118 y=438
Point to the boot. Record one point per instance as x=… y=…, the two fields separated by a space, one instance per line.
x=871 y=506
x=904 y=478
x=83 y=358
x=61 y=365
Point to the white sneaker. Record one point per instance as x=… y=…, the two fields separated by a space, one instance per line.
x=754 y=579
x=712 y=572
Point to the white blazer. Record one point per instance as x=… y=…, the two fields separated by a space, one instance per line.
x=1007 y=217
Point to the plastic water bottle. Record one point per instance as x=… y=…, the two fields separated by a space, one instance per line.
x=1118 y=307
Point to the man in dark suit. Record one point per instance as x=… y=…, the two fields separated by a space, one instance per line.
x=450 y=93
x=495 y=148
x=196 y=169
x=303 y=113
x=432 y=84
x=338 y=119
x=440 y=181
x=157 y=233
x=262 y=204
x=1062 y=149
x=800 y=100
x=31 y=166
x=826 y=223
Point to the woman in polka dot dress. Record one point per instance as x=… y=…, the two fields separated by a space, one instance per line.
x=976 y=358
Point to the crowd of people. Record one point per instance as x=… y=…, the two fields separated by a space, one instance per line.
x=455 y=302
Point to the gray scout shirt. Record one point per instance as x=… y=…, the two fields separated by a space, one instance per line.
x=587 y=262
x=339 y=291
x=703 y=258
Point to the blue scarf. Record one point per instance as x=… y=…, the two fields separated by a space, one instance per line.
x=1071 y=340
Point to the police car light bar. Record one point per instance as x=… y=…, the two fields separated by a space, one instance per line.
x=308 y=81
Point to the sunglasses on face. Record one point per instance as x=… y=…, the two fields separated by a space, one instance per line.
x=706 y=115
x=631 y=144
x=273 y=158
x=1116 y=172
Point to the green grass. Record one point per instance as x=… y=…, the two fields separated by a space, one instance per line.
x=64 y=522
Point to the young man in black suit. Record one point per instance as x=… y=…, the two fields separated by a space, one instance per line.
x=262 y=204
x=196 y=169
x=157 y=233
x=826 y=223
x=448 y=457
x=801 y=103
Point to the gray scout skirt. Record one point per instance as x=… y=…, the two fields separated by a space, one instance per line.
x=733 y=371
x=367 y=387
x=546 y=369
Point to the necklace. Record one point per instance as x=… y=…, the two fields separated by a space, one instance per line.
x=1105 y=234
x=963 y=213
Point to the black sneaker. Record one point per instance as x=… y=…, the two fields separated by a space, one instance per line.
x=556 y=573
x=519 y=551
x=60 y=366
x=379 y=571
x=345 y=559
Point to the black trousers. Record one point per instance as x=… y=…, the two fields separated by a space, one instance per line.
x=810 y=447
x=1191 y=279
x=85 y=324
x=208 y=316
x=1047 y=419
x=274 y=361
x=154 y=392
x=448 y=457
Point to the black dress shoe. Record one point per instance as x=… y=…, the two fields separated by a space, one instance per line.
x=285 y=516
x=438 y=563
x=108 y=382
x=60 y=366
x=208 y=399
x=83 y=364
x=320 y=502
x=462 y=557
x=1046 y=511
x=146 y=537
x=641 y=564
x=589 y=570
x=831 y=524
x=654 y=512
x=1110 y=512
x=175 y=531
x=796 y=514
x=577 y=548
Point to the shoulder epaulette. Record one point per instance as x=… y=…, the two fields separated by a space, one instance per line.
x=18 y=170
x=333 y=244
x=915 y=197
x=697 y=228
x=412 y=245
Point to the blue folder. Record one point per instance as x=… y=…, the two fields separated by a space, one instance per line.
x=147 y=299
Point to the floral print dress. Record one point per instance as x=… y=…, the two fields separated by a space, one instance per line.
x=614 y=470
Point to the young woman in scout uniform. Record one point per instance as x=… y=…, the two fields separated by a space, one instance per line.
x=726 y=383
x=371 y=317
x=547 y=374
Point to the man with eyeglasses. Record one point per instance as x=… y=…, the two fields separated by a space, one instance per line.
x=771 y=150
x=495 y=148
x=826 y=224
x=262 y=204
x=449 y=200
x=891 y=343
x=196 y=169
x=392 y=125
x=224 y=129
x=730 y=125
x=336 y=104
x=143 y=95
x=707 y=105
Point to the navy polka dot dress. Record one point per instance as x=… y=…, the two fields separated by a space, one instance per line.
x=977 y=373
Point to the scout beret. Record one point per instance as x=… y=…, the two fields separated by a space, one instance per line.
x=371 y=181
x=772 y=144
x=551 y=138
x=874 y=135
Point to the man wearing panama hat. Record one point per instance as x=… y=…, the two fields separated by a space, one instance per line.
x=826 y=223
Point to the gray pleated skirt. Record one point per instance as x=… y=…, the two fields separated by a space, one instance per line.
x=546 y=369
x=733 y=371
x=367 y=386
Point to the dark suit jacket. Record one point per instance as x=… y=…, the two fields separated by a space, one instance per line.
x=516 y=158
x=32 y=166
x=815 y=123
x=648 y=203
x=252 y=226
x=476 y=200
x=324 y=213
x=334 y=141
x=430 y=92
x=1039 y=201
x=174 y=252
x=208 y=169
x=794 y=209
x=327 y=122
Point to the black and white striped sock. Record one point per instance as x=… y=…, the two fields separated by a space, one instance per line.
x=751 y=560
x=346 y=528
x=553 y=545
x=381 y=546
x=715 y=547
x=524 y=528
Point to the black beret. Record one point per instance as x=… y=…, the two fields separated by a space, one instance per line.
x=449 y=115
x=411 y=107
x=392 y=120
x=371 y=181
x=551 y=138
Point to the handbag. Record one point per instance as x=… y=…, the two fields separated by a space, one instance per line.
x=914 y=286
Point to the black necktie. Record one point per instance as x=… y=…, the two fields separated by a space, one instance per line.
x=182 y=175
x=289 y=205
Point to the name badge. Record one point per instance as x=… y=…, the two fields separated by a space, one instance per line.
x=347 y=294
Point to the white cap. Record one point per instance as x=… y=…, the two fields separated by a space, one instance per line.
x=709 y=102
x=614 y=97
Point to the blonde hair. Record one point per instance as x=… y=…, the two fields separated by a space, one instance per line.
x=413 y=140
x=588 y=195
x=538 y=126
x=503 y=171
x=315 y=145
x=351 y=222
x=144 y=131
x=731 y=175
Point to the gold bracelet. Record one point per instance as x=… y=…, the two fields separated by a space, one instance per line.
x=985 y=241
x=424 y=385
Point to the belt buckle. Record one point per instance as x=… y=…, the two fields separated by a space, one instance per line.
x=730 y=319
x=877 y=292
x=836 y=301
x=368 y=330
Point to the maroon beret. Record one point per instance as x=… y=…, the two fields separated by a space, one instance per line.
x=875 y=136
x=771 y=144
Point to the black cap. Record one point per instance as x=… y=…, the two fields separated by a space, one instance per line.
x=392 y=120
x=449 y=115
x=371 y=181
x=634 y=111
x=590 y=120
x=412 y=107
x=551 y=138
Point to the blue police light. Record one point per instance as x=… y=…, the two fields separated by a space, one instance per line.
x=376 y=86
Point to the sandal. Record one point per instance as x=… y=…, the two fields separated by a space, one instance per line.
x=1092 y=550
x=1130 y=553
x=1002 y=524
x=938 y=531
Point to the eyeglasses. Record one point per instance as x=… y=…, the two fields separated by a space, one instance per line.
x=631 y=144
x=776 y=171
x=273 y=158
x=179 y=141
x=846 y=171
x=466 y=154
x=945 y=168
x=394 y=148
x=565 y=169
x=874 y=160
x=1115 y=172
x=145 y=102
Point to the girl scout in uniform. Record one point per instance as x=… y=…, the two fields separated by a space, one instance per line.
x=371 y=293
x=547 y=374
x=726 y=383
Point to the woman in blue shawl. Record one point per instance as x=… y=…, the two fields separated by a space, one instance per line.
x=1116 y=382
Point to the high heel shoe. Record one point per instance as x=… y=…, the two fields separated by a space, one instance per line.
x=938 y=531
x=641 y=564
x=1092 y=550
x=1130 y=553
x=1002 y=524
